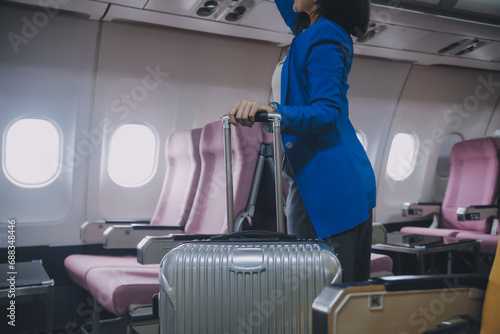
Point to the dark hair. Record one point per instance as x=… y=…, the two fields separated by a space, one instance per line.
x=352 y=15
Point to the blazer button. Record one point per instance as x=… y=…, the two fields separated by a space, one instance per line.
x=289 y=145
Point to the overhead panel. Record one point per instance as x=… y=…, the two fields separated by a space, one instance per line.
x=93 y=9
x=450 y=45
x=454 y=32
x=490 y=52
x=488 y=7
x=393 y=36
x=116 y=12
x=128 y=3
x=485 y=11
x=437 y=43
x=179 y=7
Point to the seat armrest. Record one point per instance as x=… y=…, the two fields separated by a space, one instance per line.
x=431 y=282
x=128 y=236
x=92 y=231
x=398 y=304
x=421 y=209
x=143 y=227
x=477 y=212
x=152 y=249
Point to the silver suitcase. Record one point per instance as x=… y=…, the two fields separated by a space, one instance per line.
x=246 y=282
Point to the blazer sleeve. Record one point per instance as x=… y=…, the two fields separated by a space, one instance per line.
x=286 y=10
x=325 y=80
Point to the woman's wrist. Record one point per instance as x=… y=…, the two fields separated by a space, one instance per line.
x=273 y=106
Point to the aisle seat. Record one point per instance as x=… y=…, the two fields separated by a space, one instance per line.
x=473 y=183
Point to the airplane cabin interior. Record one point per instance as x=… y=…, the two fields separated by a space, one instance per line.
x=123 y=188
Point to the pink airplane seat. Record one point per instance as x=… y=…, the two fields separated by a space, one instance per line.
x=208 y=214
x=78 y=266
x=488 y=243
x=116 y=288
x=380 y=264
x=181 y=180
x=473 y=181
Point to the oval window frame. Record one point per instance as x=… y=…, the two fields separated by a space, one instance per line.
x=154 y=163
x=43 y=182
x=409 y=163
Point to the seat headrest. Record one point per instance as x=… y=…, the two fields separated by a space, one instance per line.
x=474 y=149
x=182 y=143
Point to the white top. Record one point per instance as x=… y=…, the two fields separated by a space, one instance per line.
x=276 y=82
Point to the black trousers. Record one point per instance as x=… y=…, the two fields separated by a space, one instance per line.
x=353 y=247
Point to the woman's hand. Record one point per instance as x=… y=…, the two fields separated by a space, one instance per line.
x=243 y=112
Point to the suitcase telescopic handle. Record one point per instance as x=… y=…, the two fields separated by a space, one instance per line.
x=275 y=118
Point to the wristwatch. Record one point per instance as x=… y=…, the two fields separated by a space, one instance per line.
x=274 y=106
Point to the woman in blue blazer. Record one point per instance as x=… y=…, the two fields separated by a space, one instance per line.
x=332 y=184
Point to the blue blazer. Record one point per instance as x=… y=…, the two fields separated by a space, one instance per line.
x=331 y=168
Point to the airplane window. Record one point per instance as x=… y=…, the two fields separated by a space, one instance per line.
x=132 y=155
x=361 y=138
x=401 y=156
x=32 y=152
x=443 y=165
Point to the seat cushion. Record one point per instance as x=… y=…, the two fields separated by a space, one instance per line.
x=488 y=241
x=78 y=265
x=380 y=263
x=440 y=232
x=116 y=289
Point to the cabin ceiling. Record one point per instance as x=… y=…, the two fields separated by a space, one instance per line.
x=449 y=32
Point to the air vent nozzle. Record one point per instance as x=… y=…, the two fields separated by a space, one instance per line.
x=224 y=10
x=462 y=47
x=373 y=30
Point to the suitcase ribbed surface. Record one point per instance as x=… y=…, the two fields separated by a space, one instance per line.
x=229 y=288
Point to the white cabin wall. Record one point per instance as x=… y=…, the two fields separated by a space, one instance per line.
x=494 y=125
x=375 y=88
x=46 y=73
x=72 y=71
x=435 y=102
x=202 y=77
